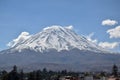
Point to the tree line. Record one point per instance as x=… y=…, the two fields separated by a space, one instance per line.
x=44 y=74
x=35 y=75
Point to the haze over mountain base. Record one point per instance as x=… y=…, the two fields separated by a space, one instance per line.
x=74 y=60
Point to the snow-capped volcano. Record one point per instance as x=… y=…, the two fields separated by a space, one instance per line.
x=62 y=48
x=56 y=38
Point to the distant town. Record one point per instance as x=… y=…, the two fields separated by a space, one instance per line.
x=45 y=74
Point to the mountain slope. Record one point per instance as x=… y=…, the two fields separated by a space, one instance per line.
x=73 y=60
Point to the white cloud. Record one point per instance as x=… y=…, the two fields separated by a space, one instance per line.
x=109 y=22
x=69 y=27
x=23 y=36
x=115 y=32
x=108 y=45
x=89 y=37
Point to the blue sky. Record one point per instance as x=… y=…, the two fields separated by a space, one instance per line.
x=32 y=16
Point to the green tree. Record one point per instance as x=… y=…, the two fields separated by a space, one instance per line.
x=13 y=75
x=4 y=75
x=21 y=75
x=115 y=71
x=38 y=75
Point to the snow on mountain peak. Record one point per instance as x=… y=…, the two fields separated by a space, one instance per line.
x=58 y=38
x=57 y=27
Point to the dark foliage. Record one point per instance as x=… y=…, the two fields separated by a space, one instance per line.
x=34 y=75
